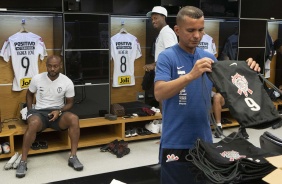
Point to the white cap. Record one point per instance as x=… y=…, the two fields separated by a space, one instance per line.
x=159 y=10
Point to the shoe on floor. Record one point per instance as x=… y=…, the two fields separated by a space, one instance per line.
x=218 y=134
x=17 y=162
x=9 y=164
x=75 y=163
x=21 y=170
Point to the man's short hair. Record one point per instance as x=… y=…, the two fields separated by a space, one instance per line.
x=277 y=44
x=190 y=11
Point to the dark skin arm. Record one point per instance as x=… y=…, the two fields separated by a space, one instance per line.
x=29 y=99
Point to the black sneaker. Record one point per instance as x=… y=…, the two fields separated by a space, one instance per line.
x=75 y=163
x=133 y=132
x=128 y=133
x=217 y=134
x=21 y=170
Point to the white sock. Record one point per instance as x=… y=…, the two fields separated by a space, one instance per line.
x=218 y=124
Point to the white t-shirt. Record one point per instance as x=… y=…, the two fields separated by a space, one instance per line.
x=24 y=49
x=208 y=44
x=51 y=94
x=125 y=48
x=165 y=39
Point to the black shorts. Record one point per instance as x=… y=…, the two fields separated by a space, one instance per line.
x=169 y=155
x=43 y=115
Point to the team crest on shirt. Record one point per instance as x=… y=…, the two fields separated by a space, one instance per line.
x=242 y=84
x=232 y=155
x=59 y=89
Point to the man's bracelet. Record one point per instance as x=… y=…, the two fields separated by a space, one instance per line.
x=60 y=112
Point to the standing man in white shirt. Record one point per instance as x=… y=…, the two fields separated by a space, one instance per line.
x=166 y=37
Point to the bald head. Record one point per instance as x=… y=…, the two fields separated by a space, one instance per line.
x=53 y=57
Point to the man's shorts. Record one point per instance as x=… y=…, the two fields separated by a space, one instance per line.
x=43 y=115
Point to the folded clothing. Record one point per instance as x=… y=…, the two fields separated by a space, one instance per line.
x=231 y=162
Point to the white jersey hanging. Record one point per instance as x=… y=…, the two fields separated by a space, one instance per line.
x=24 y=49
x=125 y=49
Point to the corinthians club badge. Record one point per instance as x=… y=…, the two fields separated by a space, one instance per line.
x=242 y=84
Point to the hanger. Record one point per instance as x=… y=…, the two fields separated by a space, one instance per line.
x=122 y=30
x=23 y=29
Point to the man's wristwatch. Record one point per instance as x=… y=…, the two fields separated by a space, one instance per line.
x=60 y=112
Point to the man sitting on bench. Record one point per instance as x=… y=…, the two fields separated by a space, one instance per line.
x=54 y=97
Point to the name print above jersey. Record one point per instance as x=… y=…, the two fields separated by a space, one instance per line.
x=25 y=48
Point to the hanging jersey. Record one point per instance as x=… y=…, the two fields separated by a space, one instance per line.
x=24 y=49
x=125 y=48
x=208 y=44
x=244 y=94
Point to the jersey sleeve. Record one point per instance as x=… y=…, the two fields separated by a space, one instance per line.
x=112 y=48
x=213 y=47
x=6 y=51
x=138 y=53
x=42 y=49
x=32 y=86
